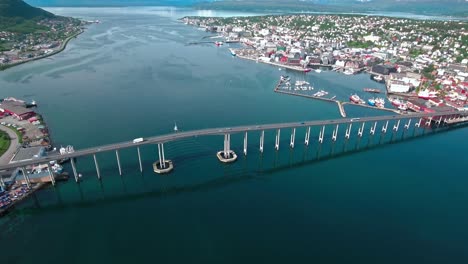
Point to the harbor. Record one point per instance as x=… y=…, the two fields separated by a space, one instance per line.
x=284 y=87
x=29 y=139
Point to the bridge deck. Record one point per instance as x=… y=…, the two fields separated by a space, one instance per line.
x=218 y=131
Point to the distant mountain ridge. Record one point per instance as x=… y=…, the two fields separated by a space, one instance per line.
x=20 y=9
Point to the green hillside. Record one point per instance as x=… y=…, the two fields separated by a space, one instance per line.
x=18 y=16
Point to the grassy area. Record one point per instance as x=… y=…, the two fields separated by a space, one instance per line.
x=4 y=142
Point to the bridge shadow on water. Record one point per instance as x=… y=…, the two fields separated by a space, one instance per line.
x=233 y=177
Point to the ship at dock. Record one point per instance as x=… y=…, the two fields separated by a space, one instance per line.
x=356 y=99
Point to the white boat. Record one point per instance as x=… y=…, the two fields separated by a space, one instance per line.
x=175 y=127
x=318 y=70
x=349 y=71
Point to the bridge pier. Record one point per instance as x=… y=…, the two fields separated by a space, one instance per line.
x=277 y=139
x=262 y=139
x=307 y=137
x=348 y=131
x=51 y=174
x=335 y=132
x=438 y=122
x=419 y=123
x=162 y=166
x=384 y=128
x=97 y=166
x=245 y=144
x=72 y=161
x=118 y=162
x=26 y=177
x=2 y=183
x=428 y=122
x=321 y=134
x=372 y=130
x=139 y=159
x=396 y=126
x=293 y=136
x=407 y=125
x=227 y=155
x=361 y=129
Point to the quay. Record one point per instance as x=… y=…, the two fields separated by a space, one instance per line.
x=18 y=200
x=290 y=67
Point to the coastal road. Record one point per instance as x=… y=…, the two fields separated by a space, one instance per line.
x=14 y=144
x=218 y=132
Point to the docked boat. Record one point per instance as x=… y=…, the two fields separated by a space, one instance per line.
x=378 y=78
x=355 y=99
x=307 y=70
x=218 y=43
x=371 y=102
x=349 y=71
x=380 y=102
x=396 y=102
x=403 y=107
x=318 y=70
x=301 y=83
x=371 y=90
x=233 y=53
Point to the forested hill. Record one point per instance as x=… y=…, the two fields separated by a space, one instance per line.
x=17 y=16
x=18 y=8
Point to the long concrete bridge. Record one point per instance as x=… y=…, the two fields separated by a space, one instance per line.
x=227 y=155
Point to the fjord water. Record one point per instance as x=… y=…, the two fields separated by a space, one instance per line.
x=134 y=75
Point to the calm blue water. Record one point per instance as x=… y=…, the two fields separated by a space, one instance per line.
x=133 y=75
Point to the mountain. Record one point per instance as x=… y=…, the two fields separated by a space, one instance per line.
x=20 y=9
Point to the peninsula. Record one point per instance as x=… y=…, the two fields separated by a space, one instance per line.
x=28 y=33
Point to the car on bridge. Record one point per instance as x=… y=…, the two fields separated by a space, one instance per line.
x=355 y=119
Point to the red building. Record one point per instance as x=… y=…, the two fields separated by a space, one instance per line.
x=16 y=109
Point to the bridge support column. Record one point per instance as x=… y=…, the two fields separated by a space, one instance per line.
x=429 y=120
x=348 y=130
x=372 y=130
x=407 y=125
x=72 y=161
x=438 y=122
x=97 y=166
x=335 y=132
x=226 y=155
x=162 y=165
x=26 y=177
x=262 y=139
x=396 y=126
x=293 y=137
x=2 y=183
x=139 y=159
x=321 y=134
x=118 y=162
x=277 y=139
x=307 y=137
x=419 y=123
x=361 y=129
x=384 y=128
x=51 y=174
x=245 y=144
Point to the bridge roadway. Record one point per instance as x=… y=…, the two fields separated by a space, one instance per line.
x=217 y=131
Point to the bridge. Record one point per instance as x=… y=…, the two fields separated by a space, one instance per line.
x=416 y=120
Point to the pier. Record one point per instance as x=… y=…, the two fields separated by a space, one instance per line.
x=340 y=104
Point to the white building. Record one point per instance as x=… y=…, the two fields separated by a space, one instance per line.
x=399 y=87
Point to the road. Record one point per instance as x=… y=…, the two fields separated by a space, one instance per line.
x=6 y=157
x=217 y=131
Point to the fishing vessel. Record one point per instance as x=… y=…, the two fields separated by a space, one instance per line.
x=355 y=99
x=403 y=107
x=380 y=102
x=371 y=102
x=378 y=78
x=395 y=102
x=349 y=71
x=371 y=90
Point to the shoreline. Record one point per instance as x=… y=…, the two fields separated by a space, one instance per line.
x=63 y=46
